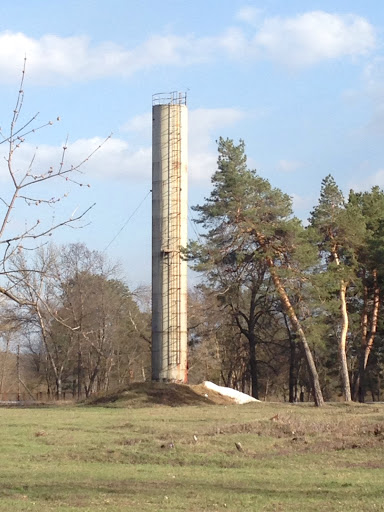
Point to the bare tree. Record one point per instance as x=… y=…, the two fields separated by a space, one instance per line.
x=32 y=186
x=81 y=322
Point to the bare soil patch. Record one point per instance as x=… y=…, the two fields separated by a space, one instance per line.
x=157 y=393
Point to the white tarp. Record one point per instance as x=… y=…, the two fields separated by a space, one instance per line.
x=237 y=396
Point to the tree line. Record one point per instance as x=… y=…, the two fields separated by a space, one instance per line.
x=294 y=309
x=80 y=328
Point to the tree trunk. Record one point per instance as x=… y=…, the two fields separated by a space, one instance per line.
x=367 y=342
x=313 y=375
x=253 y=366
x=79 y=372
x=56 y=369
x=59 y=388
x=4 y=363
x=292 y=382
x=345 y=384
x=343 y=344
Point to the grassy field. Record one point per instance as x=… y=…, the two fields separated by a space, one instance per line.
x=115 y=457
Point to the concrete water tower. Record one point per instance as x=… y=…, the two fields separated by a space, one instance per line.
x=169 y=236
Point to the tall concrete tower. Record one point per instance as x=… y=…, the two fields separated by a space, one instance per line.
x=169 y=235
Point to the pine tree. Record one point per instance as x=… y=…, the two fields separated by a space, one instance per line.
x=371 y=270
x=340 y=229
x=247 y=220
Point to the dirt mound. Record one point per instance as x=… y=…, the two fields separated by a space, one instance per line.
x=141 y=394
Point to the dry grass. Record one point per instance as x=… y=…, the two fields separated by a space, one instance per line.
x=145 y=449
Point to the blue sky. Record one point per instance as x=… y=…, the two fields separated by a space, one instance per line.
x=302 y=82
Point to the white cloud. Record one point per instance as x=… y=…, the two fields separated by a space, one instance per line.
x=376 y=179
x=201 y=167
x=294 y=42
x=118 y=159
x=204 y=126
x=374 y=76
x=311 y=37
x=288 y=165
x=27 y=156
x=302 y=205
x=374 y=88
x=203 y=121
x=139 y=124
x=115 y=159
x=249 y=15
x=234 y=43
x=376 y=123
x=52 y=59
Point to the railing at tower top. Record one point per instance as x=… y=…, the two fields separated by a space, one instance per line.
x=169 y=98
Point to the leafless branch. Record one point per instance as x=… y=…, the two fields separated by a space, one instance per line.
x=21 y=182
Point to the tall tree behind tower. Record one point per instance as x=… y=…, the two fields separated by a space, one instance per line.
x=248 y=220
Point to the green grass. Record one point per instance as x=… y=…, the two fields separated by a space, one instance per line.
x=118 y=458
